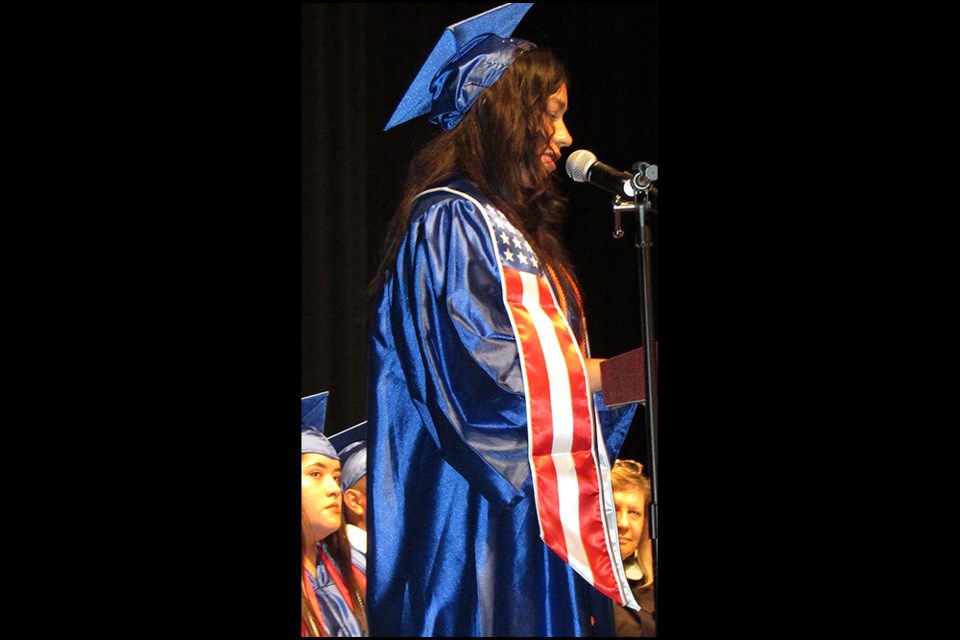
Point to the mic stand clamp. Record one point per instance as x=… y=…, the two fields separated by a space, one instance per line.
x=642 y=185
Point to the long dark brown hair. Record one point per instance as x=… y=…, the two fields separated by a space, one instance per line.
x=338 y=546
x=309 y=615
x=498 y=146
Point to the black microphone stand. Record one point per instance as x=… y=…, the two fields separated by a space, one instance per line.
x=642 y=183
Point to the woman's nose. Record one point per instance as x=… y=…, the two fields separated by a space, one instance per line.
x=561 y=135
x=333 y=487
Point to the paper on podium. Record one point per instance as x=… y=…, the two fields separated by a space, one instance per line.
x=624 y=379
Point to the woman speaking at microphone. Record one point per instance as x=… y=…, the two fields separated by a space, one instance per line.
x=489 y=446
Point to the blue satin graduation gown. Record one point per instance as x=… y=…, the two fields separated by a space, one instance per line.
x=454 y=544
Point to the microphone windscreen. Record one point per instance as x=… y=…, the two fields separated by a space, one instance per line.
x=579 y=163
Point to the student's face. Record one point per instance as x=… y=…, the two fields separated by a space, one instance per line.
x=319 y=495
x=556 y=107
x=631 y=512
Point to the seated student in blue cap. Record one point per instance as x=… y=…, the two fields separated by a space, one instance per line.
x=490 y=507
x=352 y=448
x=332 y=590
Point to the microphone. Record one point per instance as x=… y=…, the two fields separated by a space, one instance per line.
x=583 y=166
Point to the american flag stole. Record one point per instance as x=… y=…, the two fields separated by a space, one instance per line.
x=568 y=459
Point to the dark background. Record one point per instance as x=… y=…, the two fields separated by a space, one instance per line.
x=357 y=62
x=251 y=181
x=262 y=178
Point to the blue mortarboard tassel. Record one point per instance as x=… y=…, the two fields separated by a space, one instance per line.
x=453 y=49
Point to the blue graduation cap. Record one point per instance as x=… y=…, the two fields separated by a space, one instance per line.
x=469 y=57
x=313 y=413
x=313 y=410
x=351 y=445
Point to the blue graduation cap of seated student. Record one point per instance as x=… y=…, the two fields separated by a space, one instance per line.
x=351 y=446
x=470 y=56
x=313 y=410
x=313 y=415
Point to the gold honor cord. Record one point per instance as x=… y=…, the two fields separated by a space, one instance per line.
x=562 y=297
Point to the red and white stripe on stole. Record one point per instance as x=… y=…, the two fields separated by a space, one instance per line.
x=561 y=430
